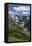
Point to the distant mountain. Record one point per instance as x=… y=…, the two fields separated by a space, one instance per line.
x=21 y=21
x=16 y=31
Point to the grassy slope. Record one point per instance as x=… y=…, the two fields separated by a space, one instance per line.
x=17 y=32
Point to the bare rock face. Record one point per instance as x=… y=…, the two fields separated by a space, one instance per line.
x=25 y=29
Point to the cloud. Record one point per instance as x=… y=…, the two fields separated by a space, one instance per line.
x=22 y=8
x=25 y=12
x=11 y=12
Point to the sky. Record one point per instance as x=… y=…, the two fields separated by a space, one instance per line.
x=18 y=9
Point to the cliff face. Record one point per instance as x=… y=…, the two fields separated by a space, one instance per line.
x=21 y=21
